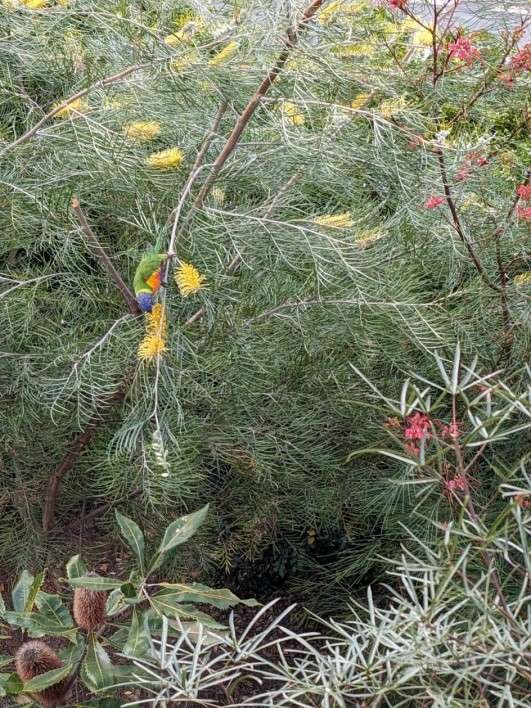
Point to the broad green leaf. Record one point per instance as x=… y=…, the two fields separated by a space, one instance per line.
x=2 y=606
x=42 y=681
x=73 y=653
x=51 y=618
x=34 y=589
x=178 y=532
x=195 y=592
x=95 y=582
x=5 y=659
x=97 y=670
x=21 y=591
x=167 y=604
x=129 y=591
x=12 y=684
x=133 y=536
x=75 y=568
x=115 y=602
x=137 y=643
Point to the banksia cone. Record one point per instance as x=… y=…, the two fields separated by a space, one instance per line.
x=35 y=658
x=89 y=607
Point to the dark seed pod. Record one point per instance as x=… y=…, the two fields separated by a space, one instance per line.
x=35 y=658
x=89 y=607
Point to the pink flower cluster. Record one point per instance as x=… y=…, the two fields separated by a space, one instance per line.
x=476 y=159
x=523 y=213
x=524 y=192
x=457 y=484
x=417 y=427
x=398 y=4
x=451 y=431
x=433 y=202
x=464 y=50
x=522 y=60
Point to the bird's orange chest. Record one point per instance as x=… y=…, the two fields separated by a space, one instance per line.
x=154 y=281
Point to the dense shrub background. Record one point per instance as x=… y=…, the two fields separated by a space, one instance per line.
x=255 y=407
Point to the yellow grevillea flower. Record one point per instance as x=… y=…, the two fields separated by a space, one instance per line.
x=151 y=346
x=391 y=106
x=166 y=159
x=79 y=105
x=142 y=130
x=523 y=278
x=366 y=238
x=360 y=100
x=154 y=342
x=188 y=279
x=339 y=7
x=225 y=54
x=184 y=61
x=35 y=4
x=422 y=38
x=335 y=221
x=218 y=195
x=293 y=113
x=354 y=50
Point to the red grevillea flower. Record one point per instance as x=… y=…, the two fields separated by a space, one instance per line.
x=522 y=60
x=463 y=49
x=457 y=484
x=451 y=431
x=417 y=427
x=463 y=172
x=524 y=192
x=433 y=202
x=398 y=4
x=523 y=213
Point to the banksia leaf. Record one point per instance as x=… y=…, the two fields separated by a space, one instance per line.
x=35 y=658
x=89 y=608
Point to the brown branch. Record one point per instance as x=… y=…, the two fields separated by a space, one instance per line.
x=289 y=43
x=105 y=259
x=457 y=222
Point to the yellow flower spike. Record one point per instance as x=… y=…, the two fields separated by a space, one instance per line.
x=150 y=347
x=338 y=8
x=188 y=279
x=142 y=130
x=354 y=50
x=360 y=100
x=218 y=195
x=391 y=106
x=79 y=105
x=185 y=60
x=225 y=54
x=422 y=38
x=156 y=323
x=293 y=113
x=522 y=278
x=35 y=4
x=169 y=159
x=334 y=221
x=366 y=238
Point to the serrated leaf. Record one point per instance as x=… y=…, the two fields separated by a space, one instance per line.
x=97 y=670
x=51 y=618
x=133 y=536
x=42 y=681
x=76 y=568
x=137 y=643
x=21 y=591
x=12 y=684
x=115 y=602
x=217 y=597
x=167 y=604
x=34 y=589
x=94 y=582
x=178 y=532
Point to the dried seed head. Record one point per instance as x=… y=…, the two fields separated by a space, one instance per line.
x=35 y=658
x=89 y=607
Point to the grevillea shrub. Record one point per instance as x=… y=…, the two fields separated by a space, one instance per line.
x=337 y=184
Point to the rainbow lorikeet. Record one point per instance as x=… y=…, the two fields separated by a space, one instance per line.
x=147 y=279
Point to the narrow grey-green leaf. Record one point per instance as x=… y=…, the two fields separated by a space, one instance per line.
x=21 y=591
x=42 y=681
x=133 y=536
x=75 y=568
x=178 y=532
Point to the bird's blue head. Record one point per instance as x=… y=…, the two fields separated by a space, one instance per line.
x=145 y=301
